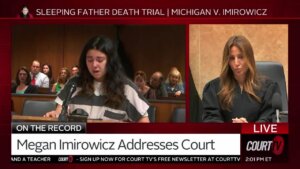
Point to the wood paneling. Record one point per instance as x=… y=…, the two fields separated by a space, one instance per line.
x=155 y=48
x=148 y=47
x=75 y=37
x=164 y=110
x=18 y=101
x=44 y=43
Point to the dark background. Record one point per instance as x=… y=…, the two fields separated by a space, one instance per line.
x=281 y=11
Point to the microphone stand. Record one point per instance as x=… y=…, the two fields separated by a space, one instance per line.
x=277 y=116
x=277 y=105
x=63 y=117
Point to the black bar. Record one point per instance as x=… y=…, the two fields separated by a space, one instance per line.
x=48 y=127
x=127 y=159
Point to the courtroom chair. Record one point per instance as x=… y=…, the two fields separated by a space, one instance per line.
x=196 y=107
x=151 y=113
x=274 y=71
x=178 y=115
x=37 y=107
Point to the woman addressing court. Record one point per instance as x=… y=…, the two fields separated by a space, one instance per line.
x=103 y=91
x=239 y=95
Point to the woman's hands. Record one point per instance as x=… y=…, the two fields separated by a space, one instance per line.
x=239 y=120
x=54 y=113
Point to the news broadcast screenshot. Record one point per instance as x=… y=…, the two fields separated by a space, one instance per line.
x=164 y=84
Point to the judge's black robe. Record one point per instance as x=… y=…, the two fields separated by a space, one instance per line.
x=243 y=105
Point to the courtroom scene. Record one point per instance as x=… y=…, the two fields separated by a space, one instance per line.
x=238 y=73
x=98 y=73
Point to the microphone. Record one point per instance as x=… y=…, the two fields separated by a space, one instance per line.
x=78 y=115
x=277 y=104
x=64 y=112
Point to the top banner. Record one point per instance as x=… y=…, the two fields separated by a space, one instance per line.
x=134 y=8
x=151 y=12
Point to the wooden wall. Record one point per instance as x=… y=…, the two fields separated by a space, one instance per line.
x=148 y=47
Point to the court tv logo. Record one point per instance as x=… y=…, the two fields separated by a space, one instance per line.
x=276 y=146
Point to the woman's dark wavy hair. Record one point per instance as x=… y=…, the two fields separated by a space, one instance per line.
x=113 y=83
x=49 y=74
x=28 y=79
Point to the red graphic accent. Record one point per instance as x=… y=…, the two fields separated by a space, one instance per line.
x=278 y=145
x=265 y=128
x=70 y=159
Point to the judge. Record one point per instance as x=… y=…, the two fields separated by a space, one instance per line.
x=239 y=95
